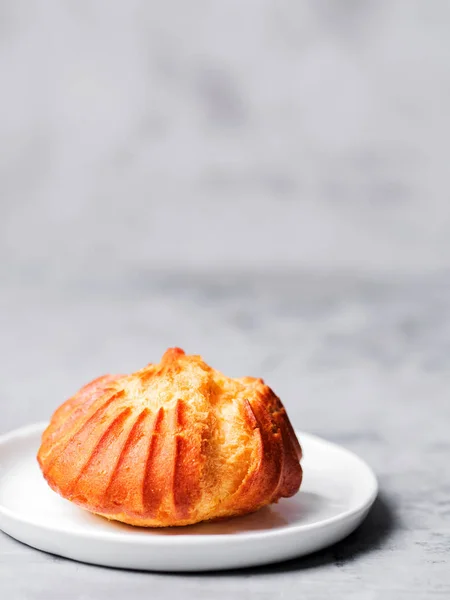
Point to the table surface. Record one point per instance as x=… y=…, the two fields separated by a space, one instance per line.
x=362 y=362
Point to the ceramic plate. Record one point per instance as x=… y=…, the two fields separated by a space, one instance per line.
x=337 y=492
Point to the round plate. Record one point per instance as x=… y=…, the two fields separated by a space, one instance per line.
x=337 y=491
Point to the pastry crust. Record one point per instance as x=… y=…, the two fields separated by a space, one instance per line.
x=172 y=444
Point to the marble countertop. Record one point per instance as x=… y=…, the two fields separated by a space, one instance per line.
x=364 y=362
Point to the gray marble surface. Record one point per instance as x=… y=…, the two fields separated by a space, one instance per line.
x=362 y=361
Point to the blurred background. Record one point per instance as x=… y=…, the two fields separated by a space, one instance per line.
x=264 y=183
x=224 y=135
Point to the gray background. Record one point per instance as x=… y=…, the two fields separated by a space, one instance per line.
x=311 y=134
x=264 y=183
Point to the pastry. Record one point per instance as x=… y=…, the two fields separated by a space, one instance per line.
x=172 y=444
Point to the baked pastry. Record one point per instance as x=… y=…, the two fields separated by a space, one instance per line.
x=172 y=444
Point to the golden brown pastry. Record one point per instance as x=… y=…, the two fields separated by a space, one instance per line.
x=172 y=444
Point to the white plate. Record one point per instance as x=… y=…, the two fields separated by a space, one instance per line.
x=337 y=492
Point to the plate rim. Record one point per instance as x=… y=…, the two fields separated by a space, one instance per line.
x=143 y=539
